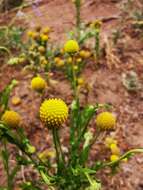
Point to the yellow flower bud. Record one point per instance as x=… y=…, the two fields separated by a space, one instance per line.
x=44 y=37
x=109 y=141
x=16 y=100
x=80 y=81
x=11 y=118
x=114 y=149
x=105 y=121
x=41 y=49
x=38 y=84
x=114 y=158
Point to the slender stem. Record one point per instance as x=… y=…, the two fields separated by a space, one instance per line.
x=59 y=145
x=78 y=17
x=74 y=82
x=9 y=182
x=56 y=147
x=139 y=150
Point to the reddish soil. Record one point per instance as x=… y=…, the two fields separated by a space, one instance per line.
x=105 y=84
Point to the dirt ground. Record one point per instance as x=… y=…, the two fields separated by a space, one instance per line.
x=105 y=82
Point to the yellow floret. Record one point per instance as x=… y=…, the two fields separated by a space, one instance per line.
x=109 y=141
x=80 y=81
x=53 y=112
x=41 y=49
x=30 y=33
x=84 y=54
x=115 y=149
x=105 y=121
x=44 y=37
x=71 y=46
x=11 y=118
x=96 y=24
x=60 y=63
x=38 y=84
x=114 y=158
x=16 y=100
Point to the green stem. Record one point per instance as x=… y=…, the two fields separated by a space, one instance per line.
x=78 y=17
x=60 y=148
x=74 y=80
x=9 y=182
x=109 y=164
x=56 y=147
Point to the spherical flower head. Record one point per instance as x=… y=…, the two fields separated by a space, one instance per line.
x=105 y=121
x=109 y=141
x=11 y=118
x=38 y=84
x=84 y=54
x=41 y=49
x=44 y=37
x=53 y=112
x=114 y=158
x=115 y=149
x=96 y=24
x=71 y=46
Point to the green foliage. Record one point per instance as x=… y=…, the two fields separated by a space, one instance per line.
x=5 y=94
x=11 y=37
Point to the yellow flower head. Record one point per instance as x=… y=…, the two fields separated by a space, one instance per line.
x=16 y=100
x=41 y=49
x=114 y=158
x=96 y=24
x=53 y=112
x=11 y=118
x=43 y=60
x=79 y=60
x=84 y=54
x=35 y=35
x=71 y=46
x=38 y=84
x=115 y=149
x=105 y=121
x=60 y=63
x=109 y=141
x=80 y=81
x=30 y=33
x=44 y=37
x=57 y=59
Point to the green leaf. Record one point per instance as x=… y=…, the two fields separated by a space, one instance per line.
x=5 y=94
x=14 y=172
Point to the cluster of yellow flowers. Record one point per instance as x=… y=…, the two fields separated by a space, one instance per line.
x=74 y=55
x=38 y=49
x=39 y=34
x=112 y=144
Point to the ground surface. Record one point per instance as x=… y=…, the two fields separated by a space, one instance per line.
x=106 y=84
